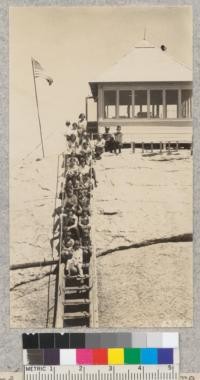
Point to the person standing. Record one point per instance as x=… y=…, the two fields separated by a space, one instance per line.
x=82 y=123
x=68 y=130
x=74 y=129
x=118 y=139
x=108 y=139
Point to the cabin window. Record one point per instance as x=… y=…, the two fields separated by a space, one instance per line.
x=186 y=104
x=156 y=104
x=125 y=104
x=140 y=109
x=172 y=104
x=110 y=99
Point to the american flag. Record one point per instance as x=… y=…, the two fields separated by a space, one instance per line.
x=40 y=73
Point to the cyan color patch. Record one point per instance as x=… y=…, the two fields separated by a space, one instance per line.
x=148 y=356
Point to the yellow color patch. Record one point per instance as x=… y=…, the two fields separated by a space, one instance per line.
x=115 y=356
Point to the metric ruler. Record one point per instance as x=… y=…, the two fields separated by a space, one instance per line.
x=102 y=372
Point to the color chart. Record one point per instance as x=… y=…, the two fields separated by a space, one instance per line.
x=101 y=349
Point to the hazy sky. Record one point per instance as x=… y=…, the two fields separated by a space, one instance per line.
x=75 y=45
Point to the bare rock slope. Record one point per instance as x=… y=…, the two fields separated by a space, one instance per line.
x=143 y=200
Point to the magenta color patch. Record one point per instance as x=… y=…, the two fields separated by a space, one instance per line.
x=84 y=356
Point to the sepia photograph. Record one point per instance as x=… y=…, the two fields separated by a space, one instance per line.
x=100 y=157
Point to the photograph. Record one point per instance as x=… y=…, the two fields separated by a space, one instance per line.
x=100 y=166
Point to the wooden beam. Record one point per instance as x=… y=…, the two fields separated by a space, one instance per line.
x=148 y=103
x=117 y=104
x=179 y=104
x=133 y=104
x=164 y=105
x=100 y=103
x=34 y=264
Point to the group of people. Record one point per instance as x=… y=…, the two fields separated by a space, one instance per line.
x=72 y=226
x=113 y=142
x=78 y=140
x=79 y=143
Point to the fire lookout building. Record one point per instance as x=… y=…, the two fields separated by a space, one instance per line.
x=148 y=93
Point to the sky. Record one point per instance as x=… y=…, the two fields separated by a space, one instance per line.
x=75 y=45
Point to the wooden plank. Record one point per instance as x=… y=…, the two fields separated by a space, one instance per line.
x=60 y=297
x=33 y=264
x=85 y=276
x=77 y=315
x=77 y=289
x=79 y=301
x=93 y=271
x=85 y=265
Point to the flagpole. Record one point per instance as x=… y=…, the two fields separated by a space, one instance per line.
x=38 y=113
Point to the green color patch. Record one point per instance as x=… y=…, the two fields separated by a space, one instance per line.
x=131 y=356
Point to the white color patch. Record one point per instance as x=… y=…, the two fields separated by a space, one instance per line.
x=170 y=340
x=67 y=357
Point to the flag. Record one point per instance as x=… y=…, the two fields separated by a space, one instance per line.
x=39 y=72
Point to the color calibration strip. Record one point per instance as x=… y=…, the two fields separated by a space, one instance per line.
x=101 y=356
x=101 y=349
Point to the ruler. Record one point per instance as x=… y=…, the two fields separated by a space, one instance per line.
x=102 y=372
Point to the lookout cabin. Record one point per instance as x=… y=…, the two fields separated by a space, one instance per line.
x=148 y=93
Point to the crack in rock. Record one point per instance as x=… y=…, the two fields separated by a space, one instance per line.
x=110 y=213
x=44 y=188
x=32 y=280
x=172 y=239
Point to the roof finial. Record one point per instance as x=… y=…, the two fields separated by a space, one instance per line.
x=145 y=29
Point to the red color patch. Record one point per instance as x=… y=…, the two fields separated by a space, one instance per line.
x=100 y=356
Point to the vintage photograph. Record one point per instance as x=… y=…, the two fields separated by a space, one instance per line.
x=101 y=154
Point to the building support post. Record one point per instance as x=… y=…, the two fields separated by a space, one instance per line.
x=157 y=110
x=100 y=103
x=117 y=105
x=133 y=104
x=190 y=102
x=164 y=105
x=179 y=104
x=148 y=104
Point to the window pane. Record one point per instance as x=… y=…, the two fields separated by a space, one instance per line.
x=110 y=104
x=172 y=104
x=156 y=104
x=140 y=104
x=186 y=104
x=125 y=104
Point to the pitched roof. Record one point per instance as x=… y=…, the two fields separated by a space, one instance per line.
x=145 y=63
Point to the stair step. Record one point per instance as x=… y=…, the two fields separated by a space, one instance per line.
x=76 y=277
x=78 y=315
x=78 y=301
x=83 y=288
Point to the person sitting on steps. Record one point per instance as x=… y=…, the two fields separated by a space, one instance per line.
x=75 y=263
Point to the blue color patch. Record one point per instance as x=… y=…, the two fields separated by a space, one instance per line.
x=149 y=356
x=165 y=356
